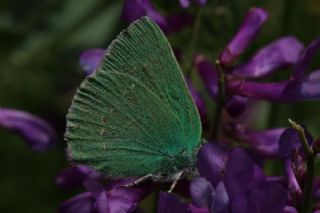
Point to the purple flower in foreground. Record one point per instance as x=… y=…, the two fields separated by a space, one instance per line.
x=247 y=187
x=90 y=59
x=38 y=134
x=290 y=209
x=76 y=175
x=187 y=3
x=112 y=198
x=291 y=150
x=265 y=142
x=209 y=167
x=169 y=203
x=204 y=195
x=290 y=144
x=135 y=9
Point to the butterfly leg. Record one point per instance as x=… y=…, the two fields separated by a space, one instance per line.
x=177 y=178
x=140 y=180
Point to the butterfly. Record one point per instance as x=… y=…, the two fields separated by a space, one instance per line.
x=134 y=117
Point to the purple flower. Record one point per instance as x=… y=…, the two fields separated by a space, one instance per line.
x=289 y=209
x=208 y=74
x=293 y=185
x=186 y=3
x=90 y=59
x=82 y=203
x=38 y=134
x=235 y=105
x=75 y=176
x=204 y=195
x=291 y=150
x=247 y=187
x=197 y=100
x=289 y=142
x=297 y=88
x=212 y=159
x=247 y=32
x=135 y=9
x=169 y=203
x=112 y=198
x=280 y=53
x=265 y=142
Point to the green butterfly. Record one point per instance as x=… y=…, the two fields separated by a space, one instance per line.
x=134 y=117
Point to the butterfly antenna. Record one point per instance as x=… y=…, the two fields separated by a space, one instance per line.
x=173 y=185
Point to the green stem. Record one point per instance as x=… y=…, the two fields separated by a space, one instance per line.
x=306 y=205
x=194 y=37
x=220 y=102
x=307 y=149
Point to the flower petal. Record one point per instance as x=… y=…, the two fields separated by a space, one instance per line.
x=221 y=199
x=98 y=192
x=195 y=209
x=248 y=188
x=38 y=133
x=212 y=159
x=264 y=142
x=82 y=203
x=307 y=88
x=284 y=51
x=168 y=203
x=258 y=90
x=135 y=9
x=290 y=209
x=290 y=143
x=122 y=199
x=202 y=192
x=184 y=3
x=293 y=184
x=236 y=105
x=208 y=74
x=76 y=175
x=247 y=32
x=306 y=59
x=90 y=59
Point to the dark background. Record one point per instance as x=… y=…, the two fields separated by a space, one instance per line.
x=40 y=42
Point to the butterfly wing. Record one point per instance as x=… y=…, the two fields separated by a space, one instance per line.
x=134 y=113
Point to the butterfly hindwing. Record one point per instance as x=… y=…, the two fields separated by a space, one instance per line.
x=135 y=112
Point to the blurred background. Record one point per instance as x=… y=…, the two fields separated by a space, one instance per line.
x=40 y=44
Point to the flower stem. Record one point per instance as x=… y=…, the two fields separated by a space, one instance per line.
x=194 y=37
x=306 y=206
x=220 y=101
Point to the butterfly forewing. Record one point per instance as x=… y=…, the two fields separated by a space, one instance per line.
x=135 y=112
